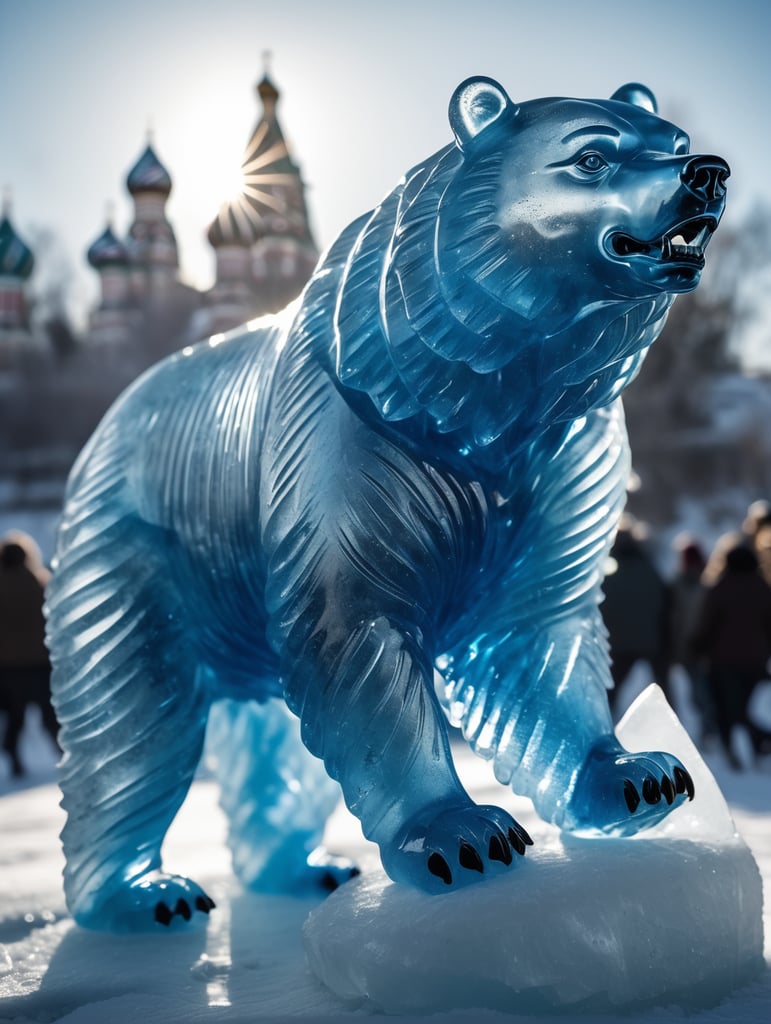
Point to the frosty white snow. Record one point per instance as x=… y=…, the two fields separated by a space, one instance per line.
x=248 y=964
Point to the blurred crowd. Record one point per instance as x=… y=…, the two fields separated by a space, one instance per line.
x=712 y=618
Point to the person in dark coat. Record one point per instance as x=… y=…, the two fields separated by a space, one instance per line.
x=686 y=598
x=24 y=665
x=635 y=611
x=755 y=534
x=734 y=637
x=761 y=544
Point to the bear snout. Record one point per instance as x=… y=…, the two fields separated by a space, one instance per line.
x=705 y=177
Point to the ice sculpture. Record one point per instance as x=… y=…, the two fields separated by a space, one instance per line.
x=418 y=465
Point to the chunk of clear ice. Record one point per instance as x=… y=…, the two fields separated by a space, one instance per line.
x=671 y=916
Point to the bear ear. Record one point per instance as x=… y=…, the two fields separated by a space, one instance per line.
x=475 y=105
x=639 y=95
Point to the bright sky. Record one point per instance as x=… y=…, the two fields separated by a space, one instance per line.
x=364 y=91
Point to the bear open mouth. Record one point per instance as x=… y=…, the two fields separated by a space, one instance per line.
x=684 y=243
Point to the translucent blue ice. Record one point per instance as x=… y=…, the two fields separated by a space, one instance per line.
x=418 y=466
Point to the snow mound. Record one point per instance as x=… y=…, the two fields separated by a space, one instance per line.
x=672 y=917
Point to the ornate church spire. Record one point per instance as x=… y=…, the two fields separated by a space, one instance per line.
x=266 y=90
x=265 y=249
x=152 y=245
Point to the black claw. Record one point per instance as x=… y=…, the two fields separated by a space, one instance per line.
x=469 y=858
x=500 y=849
x=522 y=833
x=438 y=866
x=689 y=786
x=202 y=904
x=668 y=789
x=631 y=795
x=683 y=782
x=329 y=882
x=517 y=842
x=183 y=909
x=651 y=791
x=162 y=913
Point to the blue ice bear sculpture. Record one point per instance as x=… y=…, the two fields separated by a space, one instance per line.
x=417 y=468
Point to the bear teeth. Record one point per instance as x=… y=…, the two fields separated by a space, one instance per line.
x=688 y=241
x=677 y=249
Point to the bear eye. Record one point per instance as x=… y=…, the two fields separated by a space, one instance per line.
x=591 y=163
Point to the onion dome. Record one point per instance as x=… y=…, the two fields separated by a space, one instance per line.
x=107 y=251
x=232 y=226
x=16 y=258
x=148 y=175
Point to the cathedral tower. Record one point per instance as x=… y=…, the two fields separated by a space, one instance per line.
x=263 y=242
x=151 y=244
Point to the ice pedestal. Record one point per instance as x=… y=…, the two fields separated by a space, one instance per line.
x=671 y=916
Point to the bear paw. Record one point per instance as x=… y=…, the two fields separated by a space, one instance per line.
x=619 y=793
x=150 y=902
x=328 y=872
x=459 y=846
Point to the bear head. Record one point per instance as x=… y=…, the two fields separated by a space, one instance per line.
x=597 y=200
x=518 y=276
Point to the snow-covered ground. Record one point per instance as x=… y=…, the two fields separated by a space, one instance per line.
x=248 y=963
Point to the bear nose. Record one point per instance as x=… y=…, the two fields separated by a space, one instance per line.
x=705 y=177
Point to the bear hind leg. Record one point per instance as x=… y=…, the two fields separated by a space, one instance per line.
x=132 y=705
x=277 y=798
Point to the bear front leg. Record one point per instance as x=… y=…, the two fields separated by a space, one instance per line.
x=544 y=722
x=603 y=787
x=620 y=793
x=373 y=717
x=530 y=687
